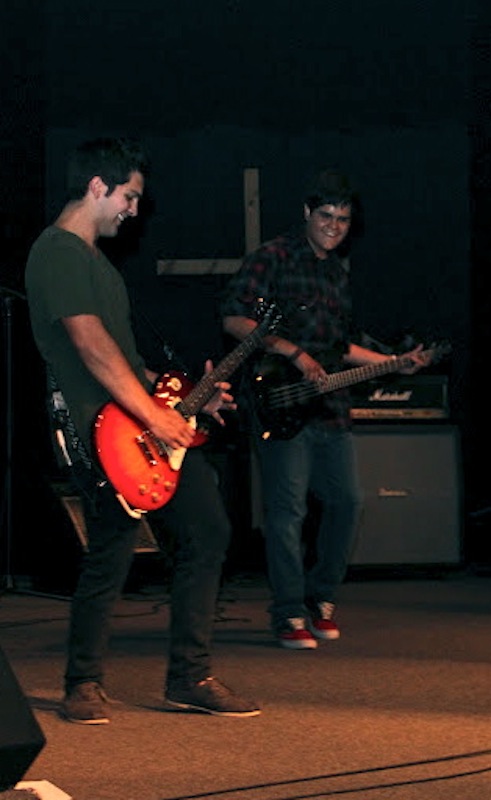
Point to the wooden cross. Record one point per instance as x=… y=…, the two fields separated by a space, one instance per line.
x=216 y=266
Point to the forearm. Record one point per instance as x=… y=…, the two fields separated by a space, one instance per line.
x=240 y=327
x=358 y=356
x=105 y=361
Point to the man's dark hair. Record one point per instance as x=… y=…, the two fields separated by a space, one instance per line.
x=330 y=187
x=112 y=159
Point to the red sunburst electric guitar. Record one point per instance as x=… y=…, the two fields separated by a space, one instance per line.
x=143 y=470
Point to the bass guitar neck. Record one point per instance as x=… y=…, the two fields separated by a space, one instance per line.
x=284 y=401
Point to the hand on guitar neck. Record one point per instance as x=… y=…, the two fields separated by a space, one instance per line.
x=222 y=400
x=416 y=359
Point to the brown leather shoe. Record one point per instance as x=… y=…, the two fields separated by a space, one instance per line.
x=86 y=703
x=209 y=696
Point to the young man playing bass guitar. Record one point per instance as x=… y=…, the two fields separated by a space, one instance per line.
x=80 y=317
x=306 y=447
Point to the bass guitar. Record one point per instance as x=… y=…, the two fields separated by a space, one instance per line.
x=284 y=400
x=143 y=470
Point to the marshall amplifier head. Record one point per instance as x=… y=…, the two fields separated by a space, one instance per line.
x=401 y=397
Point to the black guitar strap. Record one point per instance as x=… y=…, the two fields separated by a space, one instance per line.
x=69 y=448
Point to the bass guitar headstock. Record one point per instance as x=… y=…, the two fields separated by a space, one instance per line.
x=437 y=352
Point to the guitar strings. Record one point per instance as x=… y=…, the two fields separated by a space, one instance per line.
x=290 y=393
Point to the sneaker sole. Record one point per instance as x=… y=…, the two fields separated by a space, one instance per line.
x=174 y=705
x=98 y=721
x=298 y=644
x=325 y=635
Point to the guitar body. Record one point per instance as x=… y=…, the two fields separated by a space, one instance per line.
x=141 y=469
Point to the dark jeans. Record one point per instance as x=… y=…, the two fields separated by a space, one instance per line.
x=323 y=462
x=199 y=527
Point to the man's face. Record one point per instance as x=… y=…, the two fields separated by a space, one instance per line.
x=120 y=204
x=326 y=227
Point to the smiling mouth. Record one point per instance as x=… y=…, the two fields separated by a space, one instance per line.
x=121 y=217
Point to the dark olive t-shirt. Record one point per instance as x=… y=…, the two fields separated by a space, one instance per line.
x=64 y=277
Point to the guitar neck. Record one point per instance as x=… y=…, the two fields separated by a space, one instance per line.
x=340 y=380
x=205 y=388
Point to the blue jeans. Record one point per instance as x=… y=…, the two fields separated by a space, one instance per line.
x=198 y=525
x=324 y=463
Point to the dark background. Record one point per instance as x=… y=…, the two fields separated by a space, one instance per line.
x=394 y=92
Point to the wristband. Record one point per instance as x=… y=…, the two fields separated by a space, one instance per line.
x=296 y=353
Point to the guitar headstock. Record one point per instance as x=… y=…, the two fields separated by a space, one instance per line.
x=268 y=316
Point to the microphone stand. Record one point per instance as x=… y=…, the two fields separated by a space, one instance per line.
x=7 y=296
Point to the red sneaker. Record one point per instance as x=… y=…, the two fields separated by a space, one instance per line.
x=294 y=635
x=321 y=623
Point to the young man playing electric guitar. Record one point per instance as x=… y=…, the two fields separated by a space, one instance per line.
x=80 y=317
x=306 y=446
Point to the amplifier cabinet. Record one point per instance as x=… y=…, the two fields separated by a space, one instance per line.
x=398 y=398
x=412 y=485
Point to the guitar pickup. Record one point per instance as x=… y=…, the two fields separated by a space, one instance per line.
x=142 y=444
x=158 y=444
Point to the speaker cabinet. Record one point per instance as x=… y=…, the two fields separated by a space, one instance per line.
x=21 y=738
x=145 y=540
x=411 y=480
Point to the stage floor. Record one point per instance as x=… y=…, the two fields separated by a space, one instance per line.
x=398 y=707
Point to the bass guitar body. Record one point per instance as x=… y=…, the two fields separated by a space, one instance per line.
x=280 y=413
